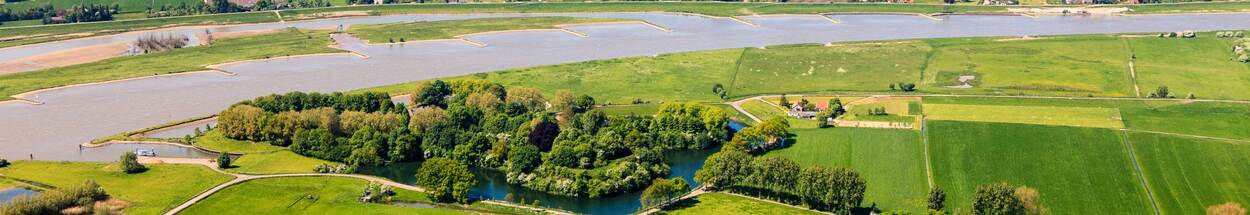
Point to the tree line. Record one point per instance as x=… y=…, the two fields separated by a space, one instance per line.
x=50 y=15
x=560 y=145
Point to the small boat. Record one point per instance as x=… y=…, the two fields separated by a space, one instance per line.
x=145 y=152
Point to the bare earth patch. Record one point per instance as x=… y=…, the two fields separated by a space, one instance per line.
x=64 y=58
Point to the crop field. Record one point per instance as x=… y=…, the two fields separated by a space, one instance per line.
x=287 y=43
x=160 y=188
x=891 y=161
x=1076 y=170
x=414 y=31
x=303 y=195
x=843 y=67
x=1203 y=66
x=1069 y=116
x=1186 y=175
x=1072 y=66
x=276 y=163
x=899 y=109
x=721 y=203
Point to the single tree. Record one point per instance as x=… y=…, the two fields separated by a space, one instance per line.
x=937 y=199
x=3 y=163
x=446 y=180
x=129 y=163
x=662 y=191
x=223 y=160
x=784 y=102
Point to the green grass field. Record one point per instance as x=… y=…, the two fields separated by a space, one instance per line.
x=1187 y=175
x=667 y=78
x=289 y=195
x=1202 y=66
x=1194 y=7
x=721 y=203
x=414 y=31
x=69 y=31
x=1202 y=118
x=842 y=67
x=891 y=160
x=276 y=163
x=1076 y=170
x=1069 y=116
x=214 y=140
x=161 y=188
x=1070 y=66
x=179 y=60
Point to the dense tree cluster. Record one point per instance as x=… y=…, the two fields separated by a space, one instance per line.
x=1003 y=198
x=562 y=146
x=50 y=15
x=833 y=189
x=224 y=6
x=767 y=135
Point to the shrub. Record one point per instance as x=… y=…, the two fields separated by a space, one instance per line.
x=52 y=202
x=3 y=163
x=223 y=160
x=996 y=199
x=129 y=163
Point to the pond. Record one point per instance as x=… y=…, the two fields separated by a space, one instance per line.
x=9 y=194
x=493 y=184
x=111 y=152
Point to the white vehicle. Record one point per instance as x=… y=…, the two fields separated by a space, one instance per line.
x=145 y=152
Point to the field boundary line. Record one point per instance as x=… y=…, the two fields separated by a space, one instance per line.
x=1232 y=141
x=1141 y=176
x=924 y=139
x=1132 y=68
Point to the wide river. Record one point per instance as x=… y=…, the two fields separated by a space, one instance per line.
x=71 y=116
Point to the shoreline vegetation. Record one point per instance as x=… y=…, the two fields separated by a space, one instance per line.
x=23 y=35
x=450 y=29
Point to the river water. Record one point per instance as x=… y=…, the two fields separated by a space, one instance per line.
x=71 y=116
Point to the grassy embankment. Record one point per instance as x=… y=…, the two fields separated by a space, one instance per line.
x=179 y=60
x=890 y=160
x=414 y=31
x=1205 y=68
x=325 y=195
x=160 y=188
x=720 y=203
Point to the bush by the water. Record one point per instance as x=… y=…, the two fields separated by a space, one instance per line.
x=53 y=201
x=153 y=43
x=4 y=163
x=568 y=148
x=223 y=160
x=129 y=163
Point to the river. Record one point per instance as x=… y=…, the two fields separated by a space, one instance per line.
x=71 y=116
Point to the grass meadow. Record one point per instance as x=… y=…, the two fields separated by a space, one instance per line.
x=1202 y=66
x=891 y=160
x=1069 y=116
x=842 y=67
x=1186 y=175
x=214 y=140
x=276 y=163
x=1214 y=119
x=160 y=188
x=1076 y=170
x=413 y=31
x=1070 y=66
x=304 y=195
x=126 y=6
x=721 y=203
x=286 y=43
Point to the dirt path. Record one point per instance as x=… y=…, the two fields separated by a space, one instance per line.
x=64 y=58
x=924 y=139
